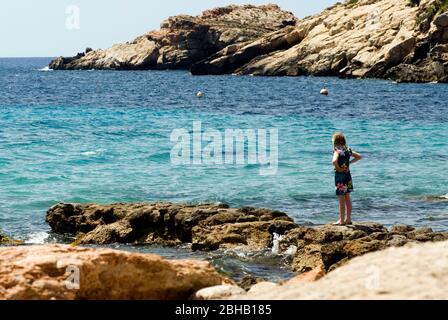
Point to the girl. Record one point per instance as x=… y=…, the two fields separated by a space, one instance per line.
x=343 y=179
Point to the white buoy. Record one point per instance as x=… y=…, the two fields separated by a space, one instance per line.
x=200 y=94
x=324 y=91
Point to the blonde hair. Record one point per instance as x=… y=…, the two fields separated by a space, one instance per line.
x=339 y=140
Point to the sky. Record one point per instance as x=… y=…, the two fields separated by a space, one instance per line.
x=49 y=28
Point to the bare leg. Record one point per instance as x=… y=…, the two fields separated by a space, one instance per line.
x=341 y=210
x=348 y=204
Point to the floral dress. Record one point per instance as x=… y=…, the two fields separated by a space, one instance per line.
x=343 y=180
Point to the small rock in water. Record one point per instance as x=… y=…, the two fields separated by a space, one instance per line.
x=200 y=94
x=324 y=91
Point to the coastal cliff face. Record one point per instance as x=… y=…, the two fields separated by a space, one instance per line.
x=397 y=39
x=403 y=40
x=183 y=39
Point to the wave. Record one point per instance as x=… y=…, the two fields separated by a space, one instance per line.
x=37 y=238
x=47 y=68
x=92 y=153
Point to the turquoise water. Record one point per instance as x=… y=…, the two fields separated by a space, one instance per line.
x=99 y=136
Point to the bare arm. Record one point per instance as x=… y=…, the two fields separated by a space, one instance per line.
x=356 y=157
x=336 y=163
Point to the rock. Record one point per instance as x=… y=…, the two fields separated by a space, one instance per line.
x=5 y=240
x=309 y=276
x=401 y=228
x=366 y=39
x=183 y=39
x=441 y=20
x=217 y=292
x=206 y=227
x=263 y=287
x=376 y=276
x=51 y=272
x=249 y=281
x=215 y=226
x=329 y=247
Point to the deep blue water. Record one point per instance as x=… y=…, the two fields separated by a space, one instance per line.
x=103 y=136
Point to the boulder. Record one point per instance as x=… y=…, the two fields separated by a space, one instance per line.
x=414 y=272
x=329 y=247
x=217 y=292
x=206 y=227
x=64 y=272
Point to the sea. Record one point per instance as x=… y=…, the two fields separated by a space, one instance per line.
x=107 y=136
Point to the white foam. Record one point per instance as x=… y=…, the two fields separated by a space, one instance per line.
x=37 y=238
x=92 y=153
x=276 y=243
x=47 y=68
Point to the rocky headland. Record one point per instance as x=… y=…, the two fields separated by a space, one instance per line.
x=183 y=40
x=402 y=40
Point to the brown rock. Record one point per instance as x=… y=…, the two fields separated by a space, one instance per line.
x=43 y=272
x=5 y=240
x=309 y=276
x=183 y=39
x=208 y=226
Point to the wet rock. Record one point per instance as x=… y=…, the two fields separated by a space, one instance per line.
x=51 y=272
x=206 y=227
x=401 y=228
x=5 y=240
x=249 y=281
x=329 y=247
x=214 y=226
x=217 y=292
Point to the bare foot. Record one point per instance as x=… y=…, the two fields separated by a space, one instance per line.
x=338 y=223
x=349 y=223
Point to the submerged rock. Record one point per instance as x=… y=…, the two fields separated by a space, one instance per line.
x=5 y=240
x=183 y=39
x=64 y=272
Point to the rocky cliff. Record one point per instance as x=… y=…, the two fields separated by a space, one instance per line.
x=403 y=40
x=398 y=39
x=183 y=39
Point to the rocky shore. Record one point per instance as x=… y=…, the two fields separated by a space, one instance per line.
x=330 y=261
x=67 y=273
x=403 y=40
x=215 y=226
